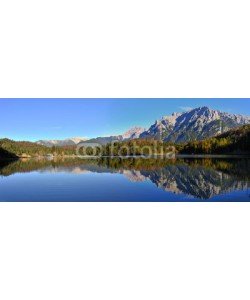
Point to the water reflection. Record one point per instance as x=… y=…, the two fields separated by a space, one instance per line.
x=199 y=178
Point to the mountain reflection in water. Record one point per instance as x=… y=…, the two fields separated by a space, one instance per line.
x=200 y=178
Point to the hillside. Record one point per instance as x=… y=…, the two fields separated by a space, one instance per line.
x=235 y=141
x=13 y=149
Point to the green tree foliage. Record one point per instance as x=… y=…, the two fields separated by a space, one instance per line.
x=235 y=141
x=13 y=149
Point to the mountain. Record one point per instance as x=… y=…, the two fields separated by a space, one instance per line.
x=103 y=140
x=161 y=128
x=67 y=142
x=196 y=124
x=133 y=133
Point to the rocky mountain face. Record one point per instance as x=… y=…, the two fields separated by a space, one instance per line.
x=133 y=133
x=196 y=124
x=161 y=128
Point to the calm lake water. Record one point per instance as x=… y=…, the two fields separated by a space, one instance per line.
x=130 y=179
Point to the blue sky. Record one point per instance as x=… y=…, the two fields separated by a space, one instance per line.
x=34 y=119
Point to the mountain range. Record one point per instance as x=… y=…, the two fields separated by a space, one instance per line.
x=195 y=124
x=132 y=133
x=66 y=142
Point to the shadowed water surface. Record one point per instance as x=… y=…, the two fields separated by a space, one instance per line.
x=130 y=179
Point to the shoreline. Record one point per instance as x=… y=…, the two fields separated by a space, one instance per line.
x=130 y=156
x=212 y=155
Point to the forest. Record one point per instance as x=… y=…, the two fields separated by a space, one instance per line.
x=13 y=149
x=235 y=141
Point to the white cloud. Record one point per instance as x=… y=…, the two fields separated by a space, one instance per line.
x=185 y=108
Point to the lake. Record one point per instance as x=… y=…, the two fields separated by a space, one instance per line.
x=128 y=179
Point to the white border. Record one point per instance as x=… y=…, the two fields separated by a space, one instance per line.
x=113 y=48
x=132 y=49
x=124 y=251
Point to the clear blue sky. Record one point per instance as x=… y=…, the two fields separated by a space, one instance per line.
x=34 y=119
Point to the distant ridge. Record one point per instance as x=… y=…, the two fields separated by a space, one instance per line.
x=67 y=142
x=132 y=133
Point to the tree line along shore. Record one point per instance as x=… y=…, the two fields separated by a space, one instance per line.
x=235 y=141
